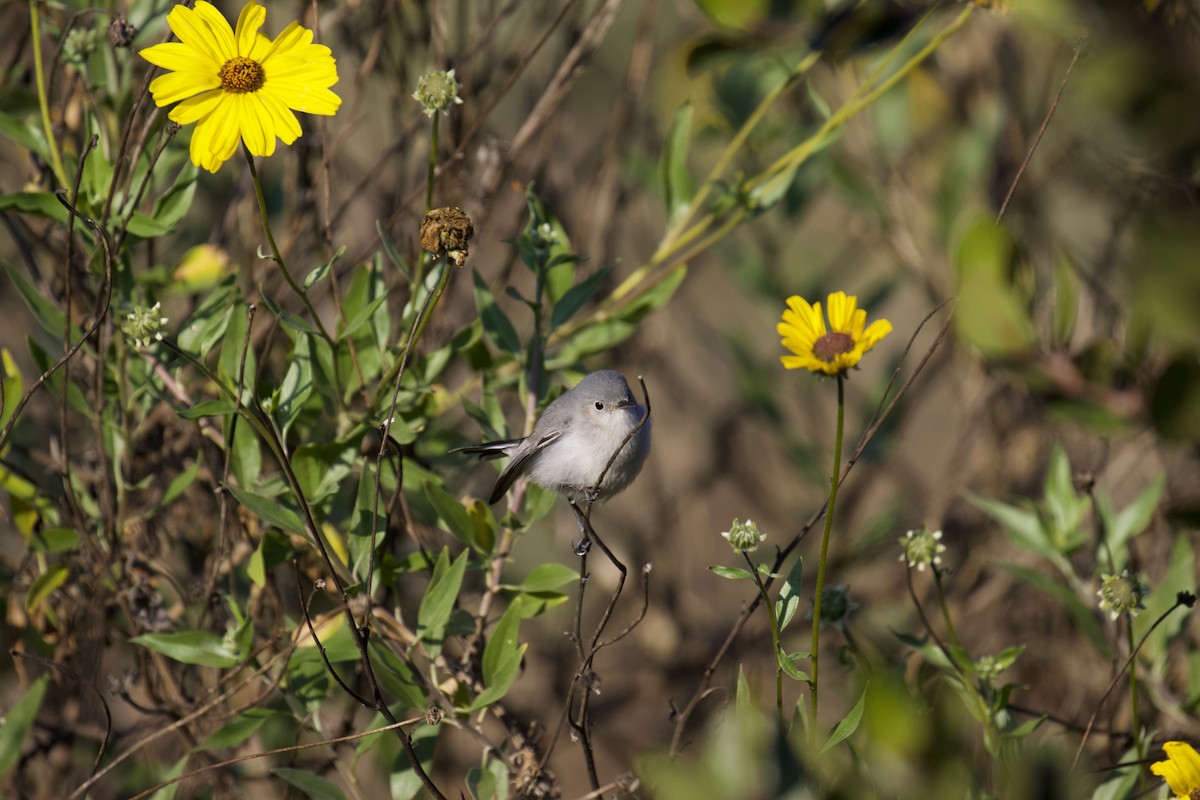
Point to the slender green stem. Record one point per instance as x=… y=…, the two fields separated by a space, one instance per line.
x=43 y=102
x=432 y=173
x=669 y=243
x=1133 y=688
x=430 y=177
x=801 y=153
x=833 y=490
x=437 y=295
x=941 y=596
x=762 y=590
x=287 y=276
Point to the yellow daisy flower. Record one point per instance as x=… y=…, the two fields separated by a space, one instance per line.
x=831 y=350
x=239 y=86
x=1181 y=770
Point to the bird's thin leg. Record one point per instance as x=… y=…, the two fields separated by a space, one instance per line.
x=585 y=542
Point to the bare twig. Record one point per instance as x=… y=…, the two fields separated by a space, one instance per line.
x=1080 y=47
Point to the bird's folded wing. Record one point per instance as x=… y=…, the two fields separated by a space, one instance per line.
x=516 y=467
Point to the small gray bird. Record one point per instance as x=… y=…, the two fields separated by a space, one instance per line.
x=574 y=439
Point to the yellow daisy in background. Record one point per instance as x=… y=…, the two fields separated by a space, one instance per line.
x=831 y=350
x=1181 y=770
x=239 y=86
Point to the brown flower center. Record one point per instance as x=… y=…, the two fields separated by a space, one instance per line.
x=240 y=75
x=832 y=345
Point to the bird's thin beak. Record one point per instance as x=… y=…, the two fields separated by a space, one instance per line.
x=626 y=403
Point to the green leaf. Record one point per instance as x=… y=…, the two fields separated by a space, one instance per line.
x=1118 y=783
x=273 y=549
x=1066 y=297
x=739 y=15
x=361 y=529
x=395 y=676
x=173 y=206
x=12 y=382
x=454 y=517
x=390 y=250
x=312 y=785
x=219 y=407
x=47 y=315
x=271 y=511
x=15 y=725
x=43 y=204
x=290 y=321
x=1067 y=507
x=991 y=314
x=239 y=638
x=434 y=612
x=545 y=578
x=247 y=455
x=239 y=729
x=732 y=573
x=848 y=725
x=1180 y=576
x=495 y=324
x=53 y=540
x=361 y=318
x=207 y=324
x=320 y=468
x=501 y=658
x=180 y=483
x=578 y=296
x=743 y=702
x=203 y=648
x=1121 y=526
x=789 y=595
x=1022 y=526
x=787 y=662
x=673 y=171
x=43 y=586
x=27 y=135
x=323 y=270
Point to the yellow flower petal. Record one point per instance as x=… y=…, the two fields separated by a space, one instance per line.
x=291 y=37
x=308 y=100
x=287 y=127
x=857 y=320
x=874 y=334
x=179 y=56
x=195 y=32
x=197 y=108
x=841 y=309
x=1181 y=770
x=251 y=19
x=218 y=29
x=171 y=87
x=252 y=123
x=216 y=137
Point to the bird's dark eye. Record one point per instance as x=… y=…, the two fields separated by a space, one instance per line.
x=599 y=406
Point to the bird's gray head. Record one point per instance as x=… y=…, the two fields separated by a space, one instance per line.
x=602 y=393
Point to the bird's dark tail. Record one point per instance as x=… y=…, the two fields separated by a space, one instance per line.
x=489 y=450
